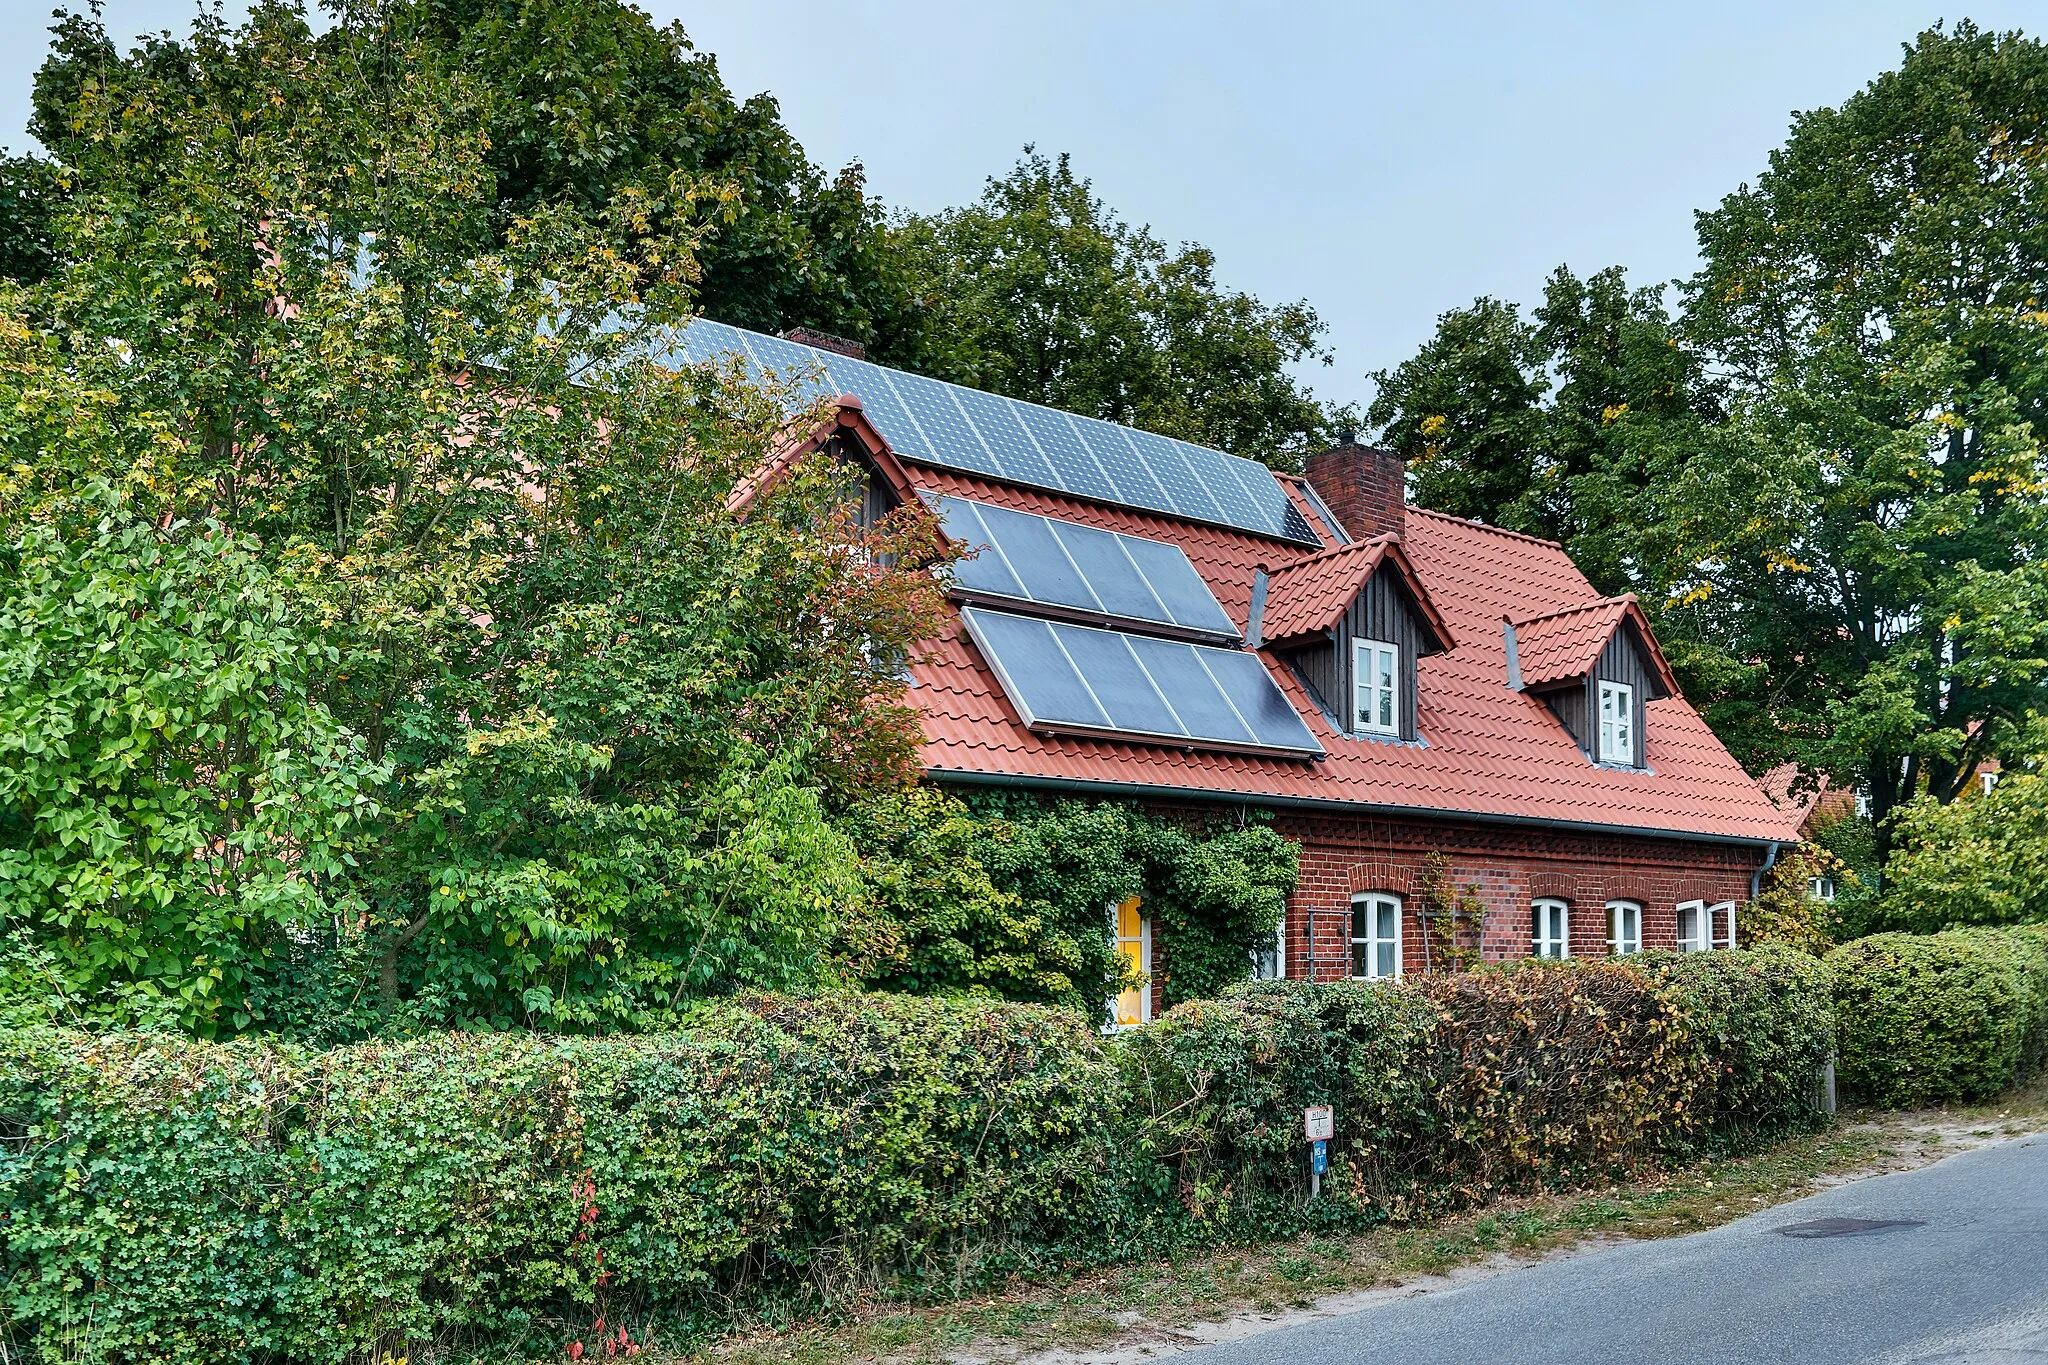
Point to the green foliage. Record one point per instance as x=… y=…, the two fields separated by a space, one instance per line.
x=1560 y=426
x=1007 y=895
x=1930 y=1019
x=1040 y=291
x=1866 y=525
x=1787 y=911
x=248 y=1201
x=173 y=795
x=583 y=721
x=1982 y=859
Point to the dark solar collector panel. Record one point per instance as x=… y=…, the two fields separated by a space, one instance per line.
x=1064 y=568
x=958 y=428
x=1065 y=677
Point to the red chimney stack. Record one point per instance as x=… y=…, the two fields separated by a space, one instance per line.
x=1365 y=488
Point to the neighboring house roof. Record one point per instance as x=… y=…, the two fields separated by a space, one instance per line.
x=1310 y=595
x=1562 y=646
x=1486 y=751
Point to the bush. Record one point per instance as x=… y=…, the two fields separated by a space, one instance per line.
x=1926 y=1019
x=187 y=1201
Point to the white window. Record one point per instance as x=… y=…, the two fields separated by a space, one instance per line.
x=1553 y=931
x=1695 y=934
x=1821 y=888
x=1134 y=949
x=1624 y=927
x=1721 y=923
x=1617 y=723
x=1377 y=673
x=1269 y=959
x=1989 y=780
x=1375 y=935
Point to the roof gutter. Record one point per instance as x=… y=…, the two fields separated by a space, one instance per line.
x=1153 y=791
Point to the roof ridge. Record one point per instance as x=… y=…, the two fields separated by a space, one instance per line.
x=1485 y=526
x=1383 y=539
x=1619 y=599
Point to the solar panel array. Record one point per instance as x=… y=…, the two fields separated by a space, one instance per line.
x=1063 y=565
x=1062 y=676
x=981 y=433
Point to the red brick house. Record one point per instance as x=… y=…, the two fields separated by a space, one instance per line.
x=1148 y=619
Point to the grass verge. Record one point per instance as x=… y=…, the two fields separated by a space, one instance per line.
x=1237 y=1291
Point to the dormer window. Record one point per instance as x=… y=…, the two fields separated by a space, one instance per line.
x=1617 y=723
x=1377 y=707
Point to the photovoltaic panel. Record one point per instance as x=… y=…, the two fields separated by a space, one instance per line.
x=1073 y=464
x=1163 y=458
x=996 y=419
x=950 y=440
x=1062 y=676
x=966 y=429
x=1070 y=569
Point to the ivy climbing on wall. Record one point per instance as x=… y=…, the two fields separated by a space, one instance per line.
x=1008 y=894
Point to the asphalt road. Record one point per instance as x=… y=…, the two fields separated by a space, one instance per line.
x=1968 y=1286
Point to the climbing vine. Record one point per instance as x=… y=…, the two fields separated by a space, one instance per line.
x=1007 y=894
x=1453 y=918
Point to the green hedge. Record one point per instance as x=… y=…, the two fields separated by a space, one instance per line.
x=172 y=1200
x=1931 y=1018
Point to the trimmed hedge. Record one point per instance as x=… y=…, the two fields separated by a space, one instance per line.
x=172 y=1200
x=1931 y=1018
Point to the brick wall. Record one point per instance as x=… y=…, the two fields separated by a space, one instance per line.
x=1506 y=868
x=1365 y=488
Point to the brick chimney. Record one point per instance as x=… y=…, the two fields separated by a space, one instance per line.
x=825 y=341
x=1363 y=487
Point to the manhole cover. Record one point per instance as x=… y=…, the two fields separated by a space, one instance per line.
x=1847 y=1227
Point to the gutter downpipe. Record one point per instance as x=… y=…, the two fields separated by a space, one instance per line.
x=1756 y=878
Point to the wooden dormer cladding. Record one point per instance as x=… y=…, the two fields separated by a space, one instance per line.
x=1566 y=656
x=1322 y=607
x=871 y=497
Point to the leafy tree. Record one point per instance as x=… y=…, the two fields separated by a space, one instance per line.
x=1981 y=859
x=1040 y=291
x=1466 y=414
x=583 y=102
x=29 y=194
x=599 y=717
x=1563 y=425
x=1867 y=527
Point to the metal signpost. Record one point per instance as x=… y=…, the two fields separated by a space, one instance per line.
x=1318 y=1122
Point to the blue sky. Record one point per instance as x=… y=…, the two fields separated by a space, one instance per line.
x=1383 y=162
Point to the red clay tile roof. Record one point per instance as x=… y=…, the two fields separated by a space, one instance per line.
x=1311 y=594
x=1566 y=644
x=1487 y=750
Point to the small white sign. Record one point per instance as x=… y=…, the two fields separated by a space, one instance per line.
x=1319 y=1121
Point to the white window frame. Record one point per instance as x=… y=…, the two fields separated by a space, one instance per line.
x=1367 y=693
x=1618 y=729
x=1630 y=913
x=1989 y=780
x=1373 y=941
x=1722 y=913
x=1822 y=889
x=1274 y=953
x=1695 y=927
x=1552 y=928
